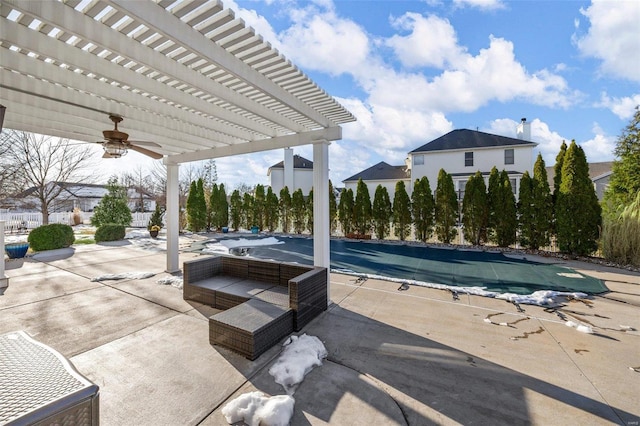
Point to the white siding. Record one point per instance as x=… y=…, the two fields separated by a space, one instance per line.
x=302 y=178
x=483 y=160
x=373 y=184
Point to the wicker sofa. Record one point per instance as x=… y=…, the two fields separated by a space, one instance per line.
x=262 y=301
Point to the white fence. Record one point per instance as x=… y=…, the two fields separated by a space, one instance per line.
x=22 y=221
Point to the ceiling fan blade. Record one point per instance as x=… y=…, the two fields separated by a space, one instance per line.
x=147 y=143
x=145 y=151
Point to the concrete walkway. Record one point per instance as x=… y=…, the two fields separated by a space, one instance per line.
x=414 y=357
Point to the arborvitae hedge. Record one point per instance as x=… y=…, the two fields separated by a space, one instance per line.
x=475 y=209
x=506 y=219
x=446 y=208
x=345 y=211
x=381 y=212
x=362 y=209
x=298 y=211
x=271 y=216
x=285 y=209
x=235 y=210
x=422 y=206
x=401 y=212
x=542 y=206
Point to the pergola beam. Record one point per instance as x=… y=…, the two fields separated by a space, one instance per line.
x=306 y=138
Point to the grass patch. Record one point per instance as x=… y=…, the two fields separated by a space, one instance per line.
x=84 y=241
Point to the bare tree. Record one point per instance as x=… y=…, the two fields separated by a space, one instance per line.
x=142 y=181
x=10 y=181
x=43 y=162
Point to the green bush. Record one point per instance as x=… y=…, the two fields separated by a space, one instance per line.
x=51 y=237
x=110 y=232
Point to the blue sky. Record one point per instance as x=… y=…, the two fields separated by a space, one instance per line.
x=411 y=71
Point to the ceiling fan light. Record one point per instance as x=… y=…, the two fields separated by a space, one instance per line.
x=115 y=150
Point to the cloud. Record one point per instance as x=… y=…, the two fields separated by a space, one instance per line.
x=613 y=37
x=624 y=107
x=601 y=146
x=480 y=4
x=432 y=42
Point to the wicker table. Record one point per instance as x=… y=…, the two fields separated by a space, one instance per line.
x=39 y=386
x=251 y=327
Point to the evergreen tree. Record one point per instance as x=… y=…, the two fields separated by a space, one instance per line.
x=298 y=211
x=212 y=208
x=446 y=208
x=381 y=212
x=196 y=206
x=271 y=210
x=309 y=212
x=542 y=206
x=492 y=202
x=285 y=209
x=222 y=207
x=578 y=211
x=345 y=211
x=113 y=207
x=248 y=211
x=333 y=209
x=557 y=173
x=475 y=209
x=362 y=209
x=506 y=220
x=624 y=184
x=526 y=208
x=236 y=210
x=422 y=206
x=401 y=212
x=259 y=201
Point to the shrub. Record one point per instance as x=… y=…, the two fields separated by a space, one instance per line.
x=110 y=232
x=51 y=237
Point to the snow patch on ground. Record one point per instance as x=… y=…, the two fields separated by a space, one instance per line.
x=256 y=409
x=172 y=281
x=540 y=298
x=124 y=276
x=570 y=275
x=300 y=355
x=580 y=327
x=223 y=246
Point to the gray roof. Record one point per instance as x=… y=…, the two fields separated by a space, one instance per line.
x=298 y=163
x=596 y=171
x=469 y=139
x=381 y=171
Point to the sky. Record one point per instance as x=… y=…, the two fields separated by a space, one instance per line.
x=411 y=71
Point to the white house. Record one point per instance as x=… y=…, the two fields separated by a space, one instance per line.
x=83 y=196
x=462 y=153
x=295 y=172
x=380 y=174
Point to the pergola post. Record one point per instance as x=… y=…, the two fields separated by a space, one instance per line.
x=321 y=229
x=4 y=281
x=172 y=218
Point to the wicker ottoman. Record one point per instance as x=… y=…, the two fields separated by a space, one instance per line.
x=40 y=386
x=251 y=327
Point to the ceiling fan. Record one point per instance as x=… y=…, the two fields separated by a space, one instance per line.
x=117 y=143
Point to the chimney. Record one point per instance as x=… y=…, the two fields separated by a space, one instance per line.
x=523 y=131
x=288 y=169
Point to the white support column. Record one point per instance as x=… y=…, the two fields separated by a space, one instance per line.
x=4 y=281
x=172 y=218
x=321 y=230
x=288 y=170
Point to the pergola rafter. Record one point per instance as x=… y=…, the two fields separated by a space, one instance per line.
x=186 y=74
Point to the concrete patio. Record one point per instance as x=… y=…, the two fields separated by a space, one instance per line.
x=414 y=357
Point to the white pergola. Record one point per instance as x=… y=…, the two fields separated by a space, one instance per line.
x=185 y=74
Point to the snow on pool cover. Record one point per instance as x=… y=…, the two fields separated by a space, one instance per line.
x=490 y=274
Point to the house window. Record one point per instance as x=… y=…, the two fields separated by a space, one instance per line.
x=418 y=160
x=513 y=186
x=508 y=156
x=468 y=159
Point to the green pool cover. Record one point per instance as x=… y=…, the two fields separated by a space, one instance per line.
x=463 y=268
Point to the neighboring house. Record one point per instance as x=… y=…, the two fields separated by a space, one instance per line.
x=380 y=174
x=600 y=173
x=77 y=195
x=462 y=153
x=295 y=172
